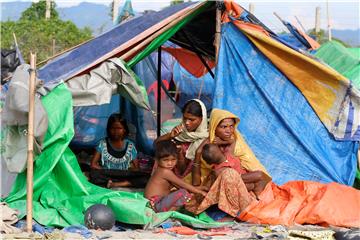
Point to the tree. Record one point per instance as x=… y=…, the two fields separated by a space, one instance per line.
x=36 y=34
x=174 y=2
x=322 y=37
x=37 y=11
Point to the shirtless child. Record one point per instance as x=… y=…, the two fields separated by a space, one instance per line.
x=158 y=189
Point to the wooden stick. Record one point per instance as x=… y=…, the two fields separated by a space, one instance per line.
x=30 y=151
x=66 y=50
x=217 y=34
x=303 y=28
x=277 y=15
x=15 y=40
x=317 y=20
x=328 y=20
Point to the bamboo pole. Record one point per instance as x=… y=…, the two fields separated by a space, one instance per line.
x=298 y=20
x=30 y=150
x=251 y=8
x=317 y=20
x=115 y=12
x=277 y=15
x=15 y=40
x=159 y=80
x=328 y=20
x=48 y=9
x=62 y=52
x=217 y=34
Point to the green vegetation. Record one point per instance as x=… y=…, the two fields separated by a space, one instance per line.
x=45 y=37
x=322 y=37
x=174 y=2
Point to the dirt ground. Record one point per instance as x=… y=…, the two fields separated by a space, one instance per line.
x=237 y=231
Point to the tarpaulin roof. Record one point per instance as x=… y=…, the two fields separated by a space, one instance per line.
x=116 y=42
x=344 y=60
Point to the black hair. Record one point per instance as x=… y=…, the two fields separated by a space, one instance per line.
x=193 y=107
x=208 y=155
x=116 y=117
x=165 y=148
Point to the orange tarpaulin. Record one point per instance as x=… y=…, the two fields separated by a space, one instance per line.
x=190 y=61
x=306 y=202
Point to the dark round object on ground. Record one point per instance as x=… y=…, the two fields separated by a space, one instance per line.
x=99 y=216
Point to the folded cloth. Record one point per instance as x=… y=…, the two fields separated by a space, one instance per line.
x=8 y=217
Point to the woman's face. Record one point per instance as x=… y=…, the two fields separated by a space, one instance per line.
x=191 y=122
x=117 y=131
x=225 y=129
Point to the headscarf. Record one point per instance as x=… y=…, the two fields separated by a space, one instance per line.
x=242 y=150
x=196 y=137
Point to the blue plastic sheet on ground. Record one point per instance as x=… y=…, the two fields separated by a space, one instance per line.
x=276 y=120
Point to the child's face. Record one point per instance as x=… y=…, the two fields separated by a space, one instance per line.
x=168 y=162
x=117 y=131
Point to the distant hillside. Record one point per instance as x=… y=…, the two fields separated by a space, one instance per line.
x=97 y=17
x=12 y=10
x=351 y=37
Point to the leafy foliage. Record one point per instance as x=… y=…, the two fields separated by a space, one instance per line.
x=174 y=2
x=322 y=37
x=44 y=37
x=37 y=11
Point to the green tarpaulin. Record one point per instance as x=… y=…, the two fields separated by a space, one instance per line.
x=345 y=61
x=61 y=191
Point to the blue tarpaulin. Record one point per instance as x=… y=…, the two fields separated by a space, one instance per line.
x=275 y=119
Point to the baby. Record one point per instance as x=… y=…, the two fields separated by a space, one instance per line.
x=212 y=154
x=255 y=181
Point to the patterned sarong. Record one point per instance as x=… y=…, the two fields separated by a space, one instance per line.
x=175 y=199
x=228 y=191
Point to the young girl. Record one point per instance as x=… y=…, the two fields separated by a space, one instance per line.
x=158 y=189
x=115 y=152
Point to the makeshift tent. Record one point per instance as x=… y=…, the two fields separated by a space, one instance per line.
x=289 y=105
x=344 y=60
x=300 y=117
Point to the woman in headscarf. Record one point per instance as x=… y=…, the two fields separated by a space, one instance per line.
x=188 y=136
x=230 y=190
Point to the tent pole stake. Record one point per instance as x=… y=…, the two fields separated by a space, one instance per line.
x=217 y=34
x=158 y=115
x=30 y=150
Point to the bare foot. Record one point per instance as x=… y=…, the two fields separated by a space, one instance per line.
x=226 y=219
x=109 y=184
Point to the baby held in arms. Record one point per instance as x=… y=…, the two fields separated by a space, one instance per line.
x=163 y=180
x=213 y=156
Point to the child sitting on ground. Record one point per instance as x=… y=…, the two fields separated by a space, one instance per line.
x=158 y=189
